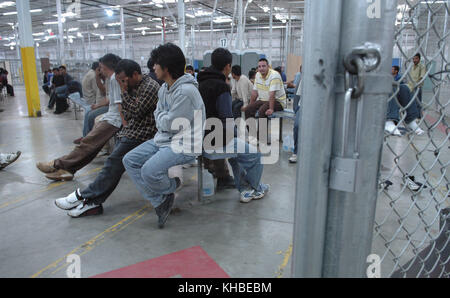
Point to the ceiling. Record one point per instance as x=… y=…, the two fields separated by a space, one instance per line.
x=141 y=16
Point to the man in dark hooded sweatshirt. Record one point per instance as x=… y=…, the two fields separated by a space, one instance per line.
x=218 y=104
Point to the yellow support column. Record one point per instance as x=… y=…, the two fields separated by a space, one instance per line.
x=28 y=58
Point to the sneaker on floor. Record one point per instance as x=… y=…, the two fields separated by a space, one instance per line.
x=60 y=175
x=392 y=129
x=71 y=201
x=46 y=167
x=412 y=184
x=247 y=196
x=293 y=158
x=415 y=128
x=164 y=209
x=225 y=183
x=8 y=159
x=86 y=209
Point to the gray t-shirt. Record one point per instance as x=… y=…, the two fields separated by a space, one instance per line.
x=114 y=95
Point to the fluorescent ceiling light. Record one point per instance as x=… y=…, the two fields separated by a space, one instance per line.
x=15 y=12
x=39 y=34
x=141 y=28
x=222 y=20
x=109 y=12
x=51 y=23
x=69 y=14
x=253 y=18
x=7 y=4
x=190 y=16
x=159 y=5
x=114 y=24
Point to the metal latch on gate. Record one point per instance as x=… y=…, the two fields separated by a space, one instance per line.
x=344 y=167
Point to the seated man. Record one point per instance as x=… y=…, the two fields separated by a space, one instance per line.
x=62 y=92
x=269 y=90
x=179 y=99
x=292 y=85
x=94 y=102
x=404 y=97
x=47 y=82
x=56 y=81
x=139 y=99
x=64 y=168
x=4 y=82
x=217 y=98
x=241 y=90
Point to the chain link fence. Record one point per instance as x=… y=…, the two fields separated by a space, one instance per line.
x=412 y=225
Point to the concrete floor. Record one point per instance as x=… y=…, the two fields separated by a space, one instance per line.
x=252 y=240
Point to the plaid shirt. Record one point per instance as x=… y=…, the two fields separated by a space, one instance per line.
x=137 y=108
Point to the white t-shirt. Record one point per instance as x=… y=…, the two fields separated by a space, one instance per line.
x=114 y=95
x=272 y=82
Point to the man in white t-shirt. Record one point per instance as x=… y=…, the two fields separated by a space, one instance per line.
x=268 y=94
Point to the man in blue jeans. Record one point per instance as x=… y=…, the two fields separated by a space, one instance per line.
x=179 y=99
x=139 y=98
x=404 y=98
x=218 y=103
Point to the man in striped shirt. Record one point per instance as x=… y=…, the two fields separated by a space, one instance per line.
x=268 y=93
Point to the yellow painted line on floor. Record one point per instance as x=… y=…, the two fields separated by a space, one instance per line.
x=50 y=187
x=95 y=241
x=287 y=256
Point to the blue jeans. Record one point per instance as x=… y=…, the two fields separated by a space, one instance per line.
x=247 y=165
x=148 y=166
x=404 y=97
x=61 y=92
x=109 y=177
x=89 y=119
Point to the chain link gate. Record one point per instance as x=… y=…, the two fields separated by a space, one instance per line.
x=411 y=232
x=367 y=203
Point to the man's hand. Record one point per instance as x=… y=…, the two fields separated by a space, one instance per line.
x=94 y=107
x=243 y=109
x=269 y=112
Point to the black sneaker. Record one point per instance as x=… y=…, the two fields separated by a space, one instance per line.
x=164 y=209
x=225 y=183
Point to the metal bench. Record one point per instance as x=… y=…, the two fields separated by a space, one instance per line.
x=210 y=156
x=286 y=113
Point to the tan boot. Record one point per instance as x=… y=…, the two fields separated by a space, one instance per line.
x=60 y=175
x=46 y=167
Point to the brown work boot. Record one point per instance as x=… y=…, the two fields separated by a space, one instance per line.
x=46 y=167
x=60 y=175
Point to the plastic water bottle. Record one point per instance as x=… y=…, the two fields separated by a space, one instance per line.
x=208 y=184
x=288 y=143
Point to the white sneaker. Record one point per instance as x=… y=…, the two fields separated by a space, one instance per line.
x=71 y=201
x=392 y=129
x=415 y=128
x=86 y=209
x=247 y=196
x=293 y=158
